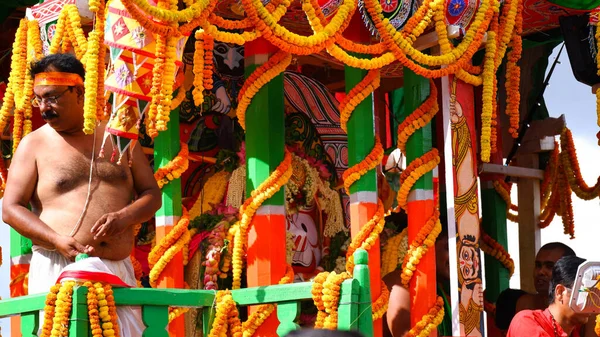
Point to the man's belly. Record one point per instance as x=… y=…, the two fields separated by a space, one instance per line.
x=64 y=219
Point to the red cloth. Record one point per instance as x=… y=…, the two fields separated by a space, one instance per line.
x=536 y=323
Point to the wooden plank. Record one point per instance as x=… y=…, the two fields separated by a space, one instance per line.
x=513 y=171
x=529 y=217
x=156 y=319
x=287 y=313
x=80 y=322
x=29 y=324
x=15 y=306
x=348 y=306
x=169 y=297
x=272 y=294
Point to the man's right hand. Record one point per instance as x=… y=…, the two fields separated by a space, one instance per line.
x=69 y=247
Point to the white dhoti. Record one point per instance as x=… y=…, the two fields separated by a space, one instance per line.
x=46 y=266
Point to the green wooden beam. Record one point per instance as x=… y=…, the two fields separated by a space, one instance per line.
x=493 y=221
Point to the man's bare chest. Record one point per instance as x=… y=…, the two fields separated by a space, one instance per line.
x=72 y=170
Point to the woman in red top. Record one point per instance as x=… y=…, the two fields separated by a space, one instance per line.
x=558 y=320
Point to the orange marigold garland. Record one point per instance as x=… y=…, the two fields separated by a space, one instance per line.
x=372 y=160
x=418 y=118
x=175 y=168
x=357 y=94
x=49 y=310
x=492 y=248
x=572 y=171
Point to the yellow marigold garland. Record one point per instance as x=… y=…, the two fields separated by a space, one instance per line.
x=259 y=77
x=58 y=310
x=429 y=322
x=198 y=68
x=212 y=193
x=175 y=168
x=16 y=80
x=264 y=191
x=487 y=95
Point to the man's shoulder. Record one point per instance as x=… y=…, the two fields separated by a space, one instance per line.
x=528 y=314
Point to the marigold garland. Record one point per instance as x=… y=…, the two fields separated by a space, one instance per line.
x=371 y=161
x=173 y=169
x=356 y=95
x=572 y=171
x=413 y=172
x=264 y=191
x=212 y=193
x=418 y=118
x=259 y=77
x=58 y=310
x=170 y=244
x=492 y=248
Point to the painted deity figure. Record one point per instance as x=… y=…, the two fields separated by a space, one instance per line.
x=306 y=236
x=467 y=219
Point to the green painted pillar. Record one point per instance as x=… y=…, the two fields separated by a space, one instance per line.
x=361 y=139
x=265 y=142
x=420 y=205
x=166 y=147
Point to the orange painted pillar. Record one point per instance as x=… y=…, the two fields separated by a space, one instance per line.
x=420 y=205
x=265 y=141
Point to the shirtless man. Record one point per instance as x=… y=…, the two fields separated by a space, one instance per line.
x=51 y=170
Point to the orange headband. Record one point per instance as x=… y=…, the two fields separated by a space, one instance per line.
x=58 y=78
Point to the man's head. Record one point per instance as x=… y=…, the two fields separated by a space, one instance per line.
x=58 y=91
x=561 y=288
x=544 y=262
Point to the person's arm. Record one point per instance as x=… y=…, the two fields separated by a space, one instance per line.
x=398 y=313
x=20 y=186
x=142 y=209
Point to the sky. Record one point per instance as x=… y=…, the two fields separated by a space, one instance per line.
x=575 y=100
x=565 y=96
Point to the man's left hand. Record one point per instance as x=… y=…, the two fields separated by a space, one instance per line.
x=108 y=225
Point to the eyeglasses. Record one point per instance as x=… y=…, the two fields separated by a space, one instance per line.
x=51 y=100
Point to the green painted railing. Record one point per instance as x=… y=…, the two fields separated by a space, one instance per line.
x=354 y=304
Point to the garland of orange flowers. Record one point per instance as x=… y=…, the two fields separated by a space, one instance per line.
x=176 y=312
x=259 y=77
x=49 y=310
x=429 y=322
x=198 y=69
x=208 y=45
x=503 y=189
x=371 y=161
x=420 y=117
x=413 y=172
x=492 y=248
x=173 y=169
x=58 y=310
x=513 y=74
x=572 y=171
x=356 y=95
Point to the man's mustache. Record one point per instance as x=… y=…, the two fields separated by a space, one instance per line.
x=49 y=114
